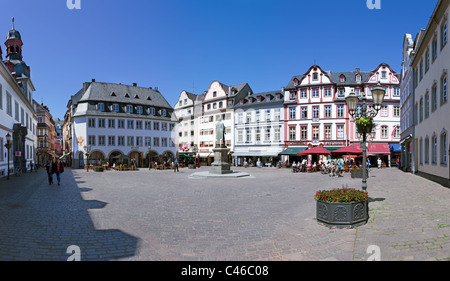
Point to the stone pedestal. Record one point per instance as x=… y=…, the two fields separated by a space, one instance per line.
x=220 y=166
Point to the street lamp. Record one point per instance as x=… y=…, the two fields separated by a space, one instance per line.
x=149 y=158
x=8 y=146
x=87 y=149
x=365 y=114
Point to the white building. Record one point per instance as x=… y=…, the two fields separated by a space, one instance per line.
x=218 y=102
x=259 y=128
x=17 y=113
x=116 y=119
x=431 y=66
x=187 y=110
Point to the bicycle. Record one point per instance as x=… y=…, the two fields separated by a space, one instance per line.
x=17 y=172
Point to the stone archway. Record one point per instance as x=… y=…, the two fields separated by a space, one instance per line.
x=168 y=156
x=114 y=154
x=136 y=156
x=97 y=158
x=151 y=158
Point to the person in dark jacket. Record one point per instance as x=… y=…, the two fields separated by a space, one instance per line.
x=49 y=168
x=58 y=169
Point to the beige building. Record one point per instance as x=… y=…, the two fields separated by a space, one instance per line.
x=431 y=65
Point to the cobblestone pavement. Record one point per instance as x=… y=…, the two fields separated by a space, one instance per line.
x=162 y=215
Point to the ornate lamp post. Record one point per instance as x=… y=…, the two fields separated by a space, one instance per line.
x=87 y=149
x=364 y=119
x=8 y=146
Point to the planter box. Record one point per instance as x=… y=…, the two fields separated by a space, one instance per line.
x=192 y=167
x=358 y=174
x=98 y=169
x=342 y=215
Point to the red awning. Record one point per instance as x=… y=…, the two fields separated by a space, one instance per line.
x=318 y=150
x=376 y=148
x=348 y=150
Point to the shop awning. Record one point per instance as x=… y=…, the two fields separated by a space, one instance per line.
x=376 y=148
x=396 y=147
x=292 y=151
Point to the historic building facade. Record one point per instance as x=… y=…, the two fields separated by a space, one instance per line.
x=17 y=112
x=431 y=73
x=259 y=128
x=46 y=135
x=109 y=120
x=218 y=102
x=316 y=111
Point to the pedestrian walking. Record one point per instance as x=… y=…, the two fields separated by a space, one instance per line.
x=379 y=163
x=58 y=169
x=49 y=168
x=175 y=166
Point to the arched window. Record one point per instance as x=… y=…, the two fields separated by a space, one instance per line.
x=443 y=148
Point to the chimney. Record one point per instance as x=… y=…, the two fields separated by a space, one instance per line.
x=93 y=80
x=357 y=70
x=86 y=86
x=134 y=84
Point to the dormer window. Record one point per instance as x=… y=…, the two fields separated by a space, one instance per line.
x=214 y=94
x=140 y=110
x=101 y=107
x=342 y=78
x=115 y=107
x=164 y=112
x=129 y=109
x=358 y=78
x=315 y=76
x=295 y=82
x=152 y=111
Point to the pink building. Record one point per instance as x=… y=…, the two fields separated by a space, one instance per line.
x=316 y=112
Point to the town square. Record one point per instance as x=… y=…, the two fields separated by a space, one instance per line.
x=209 y=131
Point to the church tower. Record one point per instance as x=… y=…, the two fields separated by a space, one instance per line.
x=14 y=59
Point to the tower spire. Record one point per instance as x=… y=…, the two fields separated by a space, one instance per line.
x=13 y=23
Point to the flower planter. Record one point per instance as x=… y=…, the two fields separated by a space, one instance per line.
x=98 y=169
x=358 y=174
x=190 y=166
x=342 y=214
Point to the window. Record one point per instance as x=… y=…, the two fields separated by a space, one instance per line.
x=384 y=110
x=8 y=104
x=292 y=133
x=115 y=107
x=315 y=93
x=17 y=113
x=121 y=124
x=121 y=141
x=444 y=148
x=383 y=74
x=340 y=132
x=257 y=114
x=421 y=151
x=358 y=78
x=304 y=133
x=292 y=113
x=148 y=141
x=327 y=93
x=139 y=125
x=397 y=132
x=315 y=76
x=396 y=92
x=315 y=133
x=434 y=49
x=340 y=111
x=101 y=140
x=427 y=60
x=268 y=114
x=328 y=111
x=434 y=149
x=156 y=126
x=139 y=141
x=303 y=94
x=444 y=89
x=156 y=142
x=444 y=34
x=384 y=132
x=421 y=110
x=140 y=110
x=434 y=98
x=214 y=94
x=102 y=123
x=129 y=109
x=91 y=140
x=221 y=104
x=396 y=111
x=164 y=112
x=421 y=70
x=1 y=106
x=240 y=136
x=130 y=141
x=215 y=105
x=91 y=123
x=258 y=135
x=152 y=111
x=164 y=142
x=327 y=132
x=111 y=123
x=304 y=113
x=277 y=114
x=277 y=134
x=111 y=140
x=130 y=124
x=427 y=150
x=427 y=105
x=315 y=112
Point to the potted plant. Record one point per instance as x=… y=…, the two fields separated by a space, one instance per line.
x=98 y=169
x=342 y=208
x=365 y=125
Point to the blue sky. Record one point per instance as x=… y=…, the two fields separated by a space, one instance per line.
x=181 y=45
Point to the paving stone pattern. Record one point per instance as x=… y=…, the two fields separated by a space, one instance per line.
x=162 y=215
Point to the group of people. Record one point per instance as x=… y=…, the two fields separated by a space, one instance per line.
x=55 y=167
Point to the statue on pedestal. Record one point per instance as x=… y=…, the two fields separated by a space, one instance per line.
x=220 y=133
